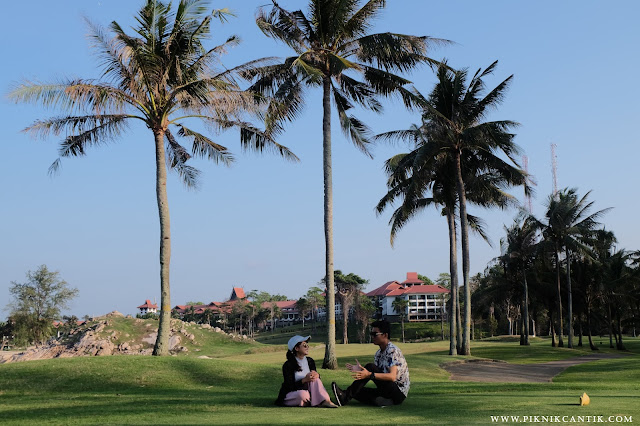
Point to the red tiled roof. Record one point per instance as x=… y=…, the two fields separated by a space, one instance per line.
x=239 y=292
x=148 y=305
x=282 y=304
x=412 y=278
x=384 y=289
x=198 y=309
x=418 y=289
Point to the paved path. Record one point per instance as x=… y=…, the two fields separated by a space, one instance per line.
x=491 y=371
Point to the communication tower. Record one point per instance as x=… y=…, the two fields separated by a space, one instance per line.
x=554 y=168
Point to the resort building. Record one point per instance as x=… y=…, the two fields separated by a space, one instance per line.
x=148 y=308
x=426 y=301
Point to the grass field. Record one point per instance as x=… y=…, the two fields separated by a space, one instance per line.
x=241 y=382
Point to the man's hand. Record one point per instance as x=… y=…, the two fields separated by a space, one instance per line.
x=362 y=374
x=355 y=368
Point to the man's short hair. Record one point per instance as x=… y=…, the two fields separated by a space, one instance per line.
x=383 y=326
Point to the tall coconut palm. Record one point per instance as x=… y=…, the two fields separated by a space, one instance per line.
x=454 y=116
x=462 y=150
x=568 y=227
x=413 y=175
x=162 y=75
x=334 y=50
x=520 y=247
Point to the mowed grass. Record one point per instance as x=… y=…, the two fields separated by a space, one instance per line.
x=240 y=388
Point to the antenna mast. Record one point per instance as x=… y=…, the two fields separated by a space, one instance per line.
x=554 y=168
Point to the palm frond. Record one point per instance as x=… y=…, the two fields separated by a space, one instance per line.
x=204 y=147
x=351 y=126
x=282 y=25
x=177 y=157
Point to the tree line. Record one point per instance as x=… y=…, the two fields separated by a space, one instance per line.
x=562 y=275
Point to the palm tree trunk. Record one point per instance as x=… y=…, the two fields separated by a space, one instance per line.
x=619 y=344
x=610 y=322
x=345 y=322
x=551 y=329
x=442 y=316
x=458 y=323
x=591 y=345
x=164 y=327
x=464 y=234
x=453 y=272
x=402 y=319
x=525 y=319
x=580 y=331
x=330 y=360
x=569 y=300
x=559 y=328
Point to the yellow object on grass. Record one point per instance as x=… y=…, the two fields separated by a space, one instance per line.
x=584 y=399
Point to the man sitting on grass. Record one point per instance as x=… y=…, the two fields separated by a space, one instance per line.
x=388 y=372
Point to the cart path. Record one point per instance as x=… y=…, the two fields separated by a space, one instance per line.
x=498 y=371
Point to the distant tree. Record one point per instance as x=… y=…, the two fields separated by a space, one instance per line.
x=316 y=299
x=37 y=303
x=426 y=279
x=364 y=310
x=194 y=303
x=304 y=307
x=274 y=313
x=444 y=280
x=400 y=306
x=347 y=286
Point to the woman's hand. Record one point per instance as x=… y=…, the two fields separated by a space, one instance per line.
x=310 y=377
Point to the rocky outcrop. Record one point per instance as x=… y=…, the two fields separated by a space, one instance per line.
x=99 y=340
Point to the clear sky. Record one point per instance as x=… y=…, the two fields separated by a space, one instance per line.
x=258 y=224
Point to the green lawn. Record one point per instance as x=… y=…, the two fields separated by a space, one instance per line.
x=241 y=383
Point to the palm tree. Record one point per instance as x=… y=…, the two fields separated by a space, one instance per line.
x=453 y=119
x=520 y=247
x=568 y=227
x=455 y=158
x=332 y=49
x=161 y=76
x=400 y=306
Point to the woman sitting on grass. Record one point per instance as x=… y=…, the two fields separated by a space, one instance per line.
x=302 y=386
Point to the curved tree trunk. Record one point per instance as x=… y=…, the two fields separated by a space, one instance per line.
x=164 y=327
x=559 y=328
x=569 y=301
x=525 y=317
x=330 y=360
x=453 y=271
x=464 y=234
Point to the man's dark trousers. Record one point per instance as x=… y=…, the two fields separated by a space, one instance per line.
x=384 y=388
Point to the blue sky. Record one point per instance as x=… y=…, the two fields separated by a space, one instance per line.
x=258 y=224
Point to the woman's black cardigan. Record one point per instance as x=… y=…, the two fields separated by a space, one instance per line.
x=289 y=369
